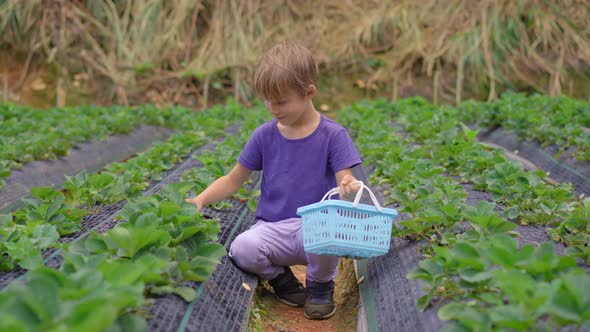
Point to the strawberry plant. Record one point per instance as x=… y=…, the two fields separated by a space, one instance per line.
x=574 y=232
x=549 y=120
x=160 y=242
x=36 y=227
x=56 y=300
x=51 y=213
x=28 y=134
x=497 y=285
x=478 y=270
x=219 y=162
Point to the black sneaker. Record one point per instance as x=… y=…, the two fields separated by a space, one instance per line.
x=320 y=300
x=289 y=289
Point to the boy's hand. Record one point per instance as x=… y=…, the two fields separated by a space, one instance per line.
x=197 y=201
x=348 y=185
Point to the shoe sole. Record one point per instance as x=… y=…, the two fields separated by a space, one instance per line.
x=291 y=304
x=323 y=317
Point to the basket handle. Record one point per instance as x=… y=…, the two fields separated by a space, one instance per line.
x=357 y=199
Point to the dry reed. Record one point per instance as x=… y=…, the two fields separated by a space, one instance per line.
x=465 y=47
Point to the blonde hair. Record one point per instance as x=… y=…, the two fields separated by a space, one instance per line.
x=284 y=68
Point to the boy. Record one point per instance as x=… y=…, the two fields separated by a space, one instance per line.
x=302 y=155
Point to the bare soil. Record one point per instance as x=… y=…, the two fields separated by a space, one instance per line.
x=279 y=317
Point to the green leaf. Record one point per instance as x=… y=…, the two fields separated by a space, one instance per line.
x=503 y=227
x=129 y=323
x=129 y=239
x=26 y=253
x=512 y=316
x=451 y=311
x=186 y=293
x=424 y=301
x=93 y=315
x=565 y=304
x=122 y=272
x=5 y=220
x=450 y=209
x=75 y=214
x=95 y=245
x=517 y=284
x=45 y=194
x=502 y=256
x=412 y=225
x=200 y=268
x=168 y=209
x=431 y=267
x=469 y=133
x=467 y=315
x=212 y=250
x=45 y=235
x=512 y=212
x=474 y=276
x=252 y=204
x=44 y=285
x=466 y=250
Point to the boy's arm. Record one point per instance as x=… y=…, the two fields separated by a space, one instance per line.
x=346 y=182
x=222 y=188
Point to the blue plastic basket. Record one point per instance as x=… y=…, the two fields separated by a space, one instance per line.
x=347 y=229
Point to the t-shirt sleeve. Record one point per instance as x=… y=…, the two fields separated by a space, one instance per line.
x=251 y=156
x=342 y=153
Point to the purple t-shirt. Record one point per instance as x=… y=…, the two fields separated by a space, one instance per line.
x=296 y=172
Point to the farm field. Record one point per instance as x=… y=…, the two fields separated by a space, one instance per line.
x=489 y=244
x=471 y=119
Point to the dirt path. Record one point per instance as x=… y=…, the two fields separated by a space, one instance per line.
x=278 y=317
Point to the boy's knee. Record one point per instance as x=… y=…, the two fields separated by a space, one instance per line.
x=246 y=250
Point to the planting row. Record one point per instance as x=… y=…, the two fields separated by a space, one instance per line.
x=562 y=121
x=105 y=278
x=51 y=214
x=28 y=134
x=421 y=159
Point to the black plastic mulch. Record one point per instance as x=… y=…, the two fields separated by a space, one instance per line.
x=105 y=217
x=52 y=256
x=563 y=168
x=222 y=302
x=90 y=156
x=391 y=300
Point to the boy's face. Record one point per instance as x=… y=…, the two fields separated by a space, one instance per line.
x=288 y=110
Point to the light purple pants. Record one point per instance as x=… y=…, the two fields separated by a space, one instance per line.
x=267 y=247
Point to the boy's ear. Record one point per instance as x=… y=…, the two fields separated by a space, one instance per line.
x=312 y=90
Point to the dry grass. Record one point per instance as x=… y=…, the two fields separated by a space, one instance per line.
x=160 y=50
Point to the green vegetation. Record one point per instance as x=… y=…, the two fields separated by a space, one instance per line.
x=160 y=242
x=51 y=213
x=562 y=121
x=421 y=153
x=28 y=134
x=490 y=282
